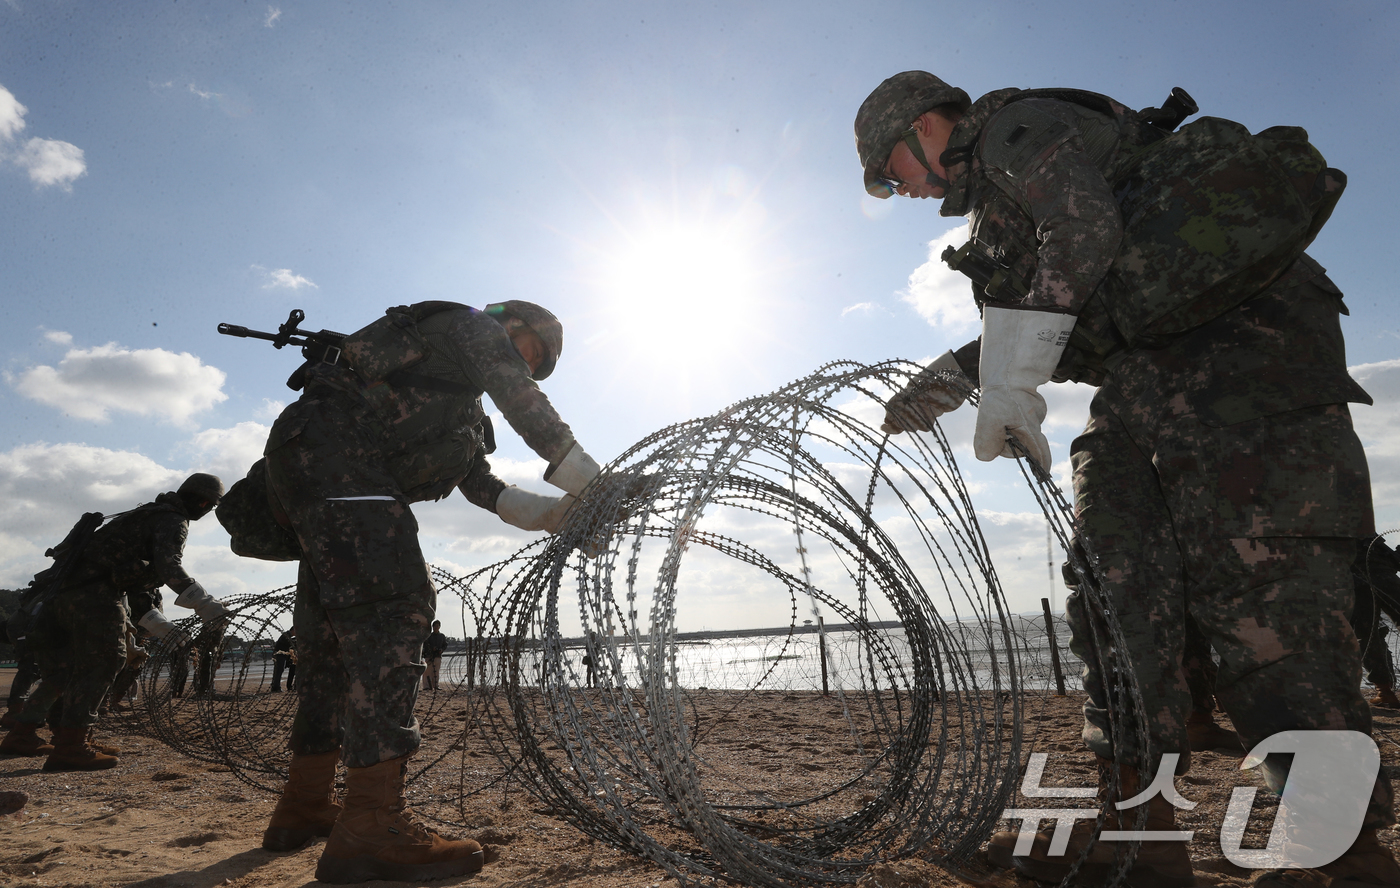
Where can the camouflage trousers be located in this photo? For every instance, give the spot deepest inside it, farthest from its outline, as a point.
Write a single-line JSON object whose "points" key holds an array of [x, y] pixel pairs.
{"points": [[365, 601], [1247, 529], [80, 645]]}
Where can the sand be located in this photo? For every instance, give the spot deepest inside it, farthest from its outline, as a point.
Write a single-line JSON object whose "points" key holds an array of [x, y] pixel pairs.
{"points": [[162, 820]]}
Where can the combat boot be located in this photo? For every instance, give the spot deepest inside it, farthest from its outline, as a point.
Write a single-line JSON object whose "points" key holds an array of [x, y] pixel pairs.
{"points": [[1385, 697], [24, 739], [104, 748], [1159, 864], [1203, 733], [376, 838], [11, 717], [307, 807], [72, 753]]}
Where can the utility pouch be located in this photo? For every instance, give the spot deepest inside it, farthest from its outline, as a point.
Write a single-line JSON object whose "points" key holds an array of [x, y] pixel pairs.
{"points": [[246, 513], [1212, 215]]}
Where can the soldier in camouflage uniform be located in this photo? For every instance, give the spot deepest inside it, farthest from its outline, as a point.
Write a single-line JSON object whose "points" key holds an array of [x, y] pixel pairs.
{"points": [[344, 465], [1218, 475], [79, 637]]}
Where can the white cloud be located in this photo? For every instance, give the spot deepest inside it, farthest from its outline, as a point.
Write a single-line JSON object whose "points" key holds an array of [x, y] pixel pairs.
{"points": [[229, 452], [58, 337], [44, 488], [270, 409], [11, 115], [284, 279], [864, 308], [273, 14], [940, 295], [204, 94], [47, 161], [51, 162], [91, 383], [1379, 429]]}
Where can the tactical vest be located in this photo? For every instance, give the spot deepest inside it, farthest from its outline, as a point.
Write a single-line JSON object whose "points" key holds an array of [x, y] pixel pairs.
{"points": [[425, 404], [119, 551], [1212, 215]]}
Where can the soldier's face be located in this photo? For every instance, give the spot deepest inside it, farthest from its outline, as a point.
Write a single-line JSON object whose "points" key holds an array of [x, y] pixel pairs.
{"points": [[528, 343], [932, 131]]}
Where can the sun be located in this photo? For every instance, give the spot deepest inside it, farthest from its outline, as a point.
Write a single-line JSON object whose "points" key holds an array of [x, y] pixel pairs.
{"points": [[694, 282]]}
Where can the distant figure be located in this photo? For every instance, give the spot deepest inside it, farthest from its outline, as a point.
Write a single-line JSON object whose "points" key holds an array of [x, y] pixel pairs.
{"points": [[433, 649], [283, 659]]}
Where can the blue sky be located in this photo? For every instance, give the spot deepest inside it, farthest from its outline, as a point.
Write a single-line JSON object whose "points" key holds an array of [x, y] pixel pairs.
{"points": [[677, 182]]}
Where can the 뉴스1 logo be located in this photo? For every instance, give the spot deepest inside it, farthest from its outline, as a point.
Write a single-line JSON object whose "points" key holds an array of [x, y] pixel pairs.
{"points": [[1319, 814]]}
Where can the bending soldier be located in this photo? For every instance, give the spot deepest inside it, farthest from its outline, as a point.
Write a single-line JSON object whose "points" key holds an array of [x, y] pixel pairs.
{"points": [[1219, 454], [344, 464], [79, 637]]}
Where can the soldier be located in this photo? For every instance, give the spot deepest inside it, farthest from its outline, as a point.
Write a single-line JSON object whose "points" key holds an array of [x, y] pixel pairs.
{"points": [[433, 649], [1377, 593], [396, 419], [79, 635], [282, 660], [1219, 455], [26, 674]]}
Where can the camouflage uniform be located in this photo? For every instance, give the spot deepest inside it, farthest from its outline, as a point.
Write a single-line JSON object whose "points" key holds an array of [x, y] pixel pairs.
{"points": [[344, 463], [1218, 476], [79, 639]]}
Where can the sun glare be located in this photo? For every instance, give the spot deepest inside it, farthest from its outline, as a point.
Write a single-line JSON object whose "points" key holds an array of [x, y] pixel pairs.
{"points": [[693, 283]]}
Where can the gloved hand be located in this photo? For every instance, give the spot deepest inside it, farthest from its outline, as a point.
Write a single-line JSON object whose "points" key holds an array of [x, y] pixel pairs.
{"points": [[1020, 349], [940, 388], [574, 472], [532, 511], [155, 623], [201, 602]]}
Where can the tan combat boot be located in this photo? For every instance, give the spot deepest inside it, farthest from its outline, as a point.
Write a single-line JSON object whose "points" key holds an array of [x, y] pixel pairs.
{"points": [[307, 807], [23, 739], [375, 838], [1160, 864], [104, 748], [1385, 697], [72, 753]]}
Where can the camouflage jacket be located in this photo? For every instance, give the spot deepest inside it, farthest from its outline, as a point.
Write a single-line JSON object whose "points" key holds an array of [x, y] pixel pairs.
{"points": [[432, 429], [1047, 210], [139, 550]]}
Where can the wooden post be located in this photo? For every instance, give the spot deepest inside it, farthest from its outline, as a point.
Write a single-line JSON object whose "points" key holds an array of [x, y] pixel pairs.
{"points": [[821, 644], [1054, 649]]}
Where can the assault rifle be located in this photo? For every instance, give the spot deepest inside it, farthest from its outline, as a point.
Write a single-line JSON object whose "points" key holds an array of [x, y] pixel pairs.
{"points": [[321, 347]]}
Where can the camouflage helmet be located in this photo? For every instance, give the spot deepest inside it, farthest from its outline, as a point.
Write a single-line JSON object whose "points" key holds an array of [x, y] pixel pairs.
{"points": [[200, 493], [538, 319], [886, 114]]}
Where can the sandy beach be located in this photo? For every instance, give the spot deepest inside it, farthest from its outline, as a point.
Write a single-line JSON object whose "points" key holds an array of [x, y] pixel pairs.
{"points": [[162, 819]]}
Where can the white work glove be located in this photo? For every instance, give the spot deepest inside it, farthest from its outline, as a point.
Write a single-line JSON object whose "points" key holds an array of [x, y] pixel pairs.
{"points": [[573, 474], [201, 602], [155, 623], [532, 511], [1020, 349], [940, 388]]}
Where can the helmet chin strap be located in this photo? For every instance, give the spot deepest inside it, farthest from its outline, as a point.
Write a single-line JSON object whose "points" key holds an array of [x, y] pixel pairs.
{"points": [[911, 138], [938, 181]]}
